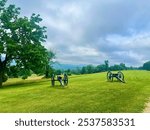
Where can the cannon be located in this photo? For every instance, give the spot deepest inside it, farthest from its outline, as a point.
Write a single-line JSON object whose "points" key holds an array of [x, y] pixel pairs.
{"points": [[62, 79], [119, 76]]}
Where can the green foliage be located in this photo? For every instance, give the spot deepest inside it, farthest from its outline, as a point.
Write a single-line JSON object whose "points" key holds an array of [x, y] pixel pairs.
{"points": [[49, 70], [118, 67], [90, 69], [21, 41], [77, 71], [68, 72], [4, 78], [146, 66], [87, 69], [13, 72], [100, 68], [58, 72]]}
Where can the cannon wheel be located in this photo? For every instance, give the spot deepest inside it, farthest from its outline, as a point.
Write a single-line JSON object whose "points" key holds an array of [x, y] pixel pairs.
{"points": [[53, 80], [121, 76], [65, 80], [109, 76]]}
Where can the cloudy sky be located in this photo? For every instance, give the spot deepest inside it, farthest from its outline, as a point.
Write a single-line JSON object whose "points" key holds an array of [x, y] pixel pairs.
{"points": [[91, 31]]}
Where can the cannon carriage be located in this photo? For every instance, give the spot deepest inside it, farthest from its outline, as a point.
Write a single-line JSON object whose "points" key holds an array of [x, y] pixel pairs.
{"points": [[119, 76], [62, 79]]}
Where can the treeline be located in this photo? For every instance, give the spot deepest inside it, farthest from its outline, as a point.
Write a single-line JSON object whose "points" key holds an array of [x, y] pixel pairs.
{"points": [[102, 68], [14, 72], [95, 69]]}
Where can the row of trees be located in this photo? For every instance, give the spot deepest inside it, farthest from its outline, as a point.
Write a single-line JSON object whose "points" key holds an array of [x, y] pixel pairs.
{"points": [[95, 69], [102, 68], [99, 68]]}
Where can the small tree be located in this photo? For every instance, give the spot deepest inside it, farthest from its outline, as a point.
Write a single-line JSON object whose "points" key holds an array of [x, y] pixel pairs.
{"points": [[21, 41]]}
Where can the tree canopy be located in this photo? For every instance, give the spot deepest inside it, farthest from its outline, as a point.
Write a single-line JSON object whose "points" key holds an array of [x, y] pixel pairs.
{"points": [[21, 41], [146, 65]]}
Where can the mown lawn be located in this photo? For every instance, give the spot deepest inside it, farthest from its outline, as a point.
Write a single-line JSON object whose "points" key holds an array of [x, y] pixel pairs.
{"points": [[85, 93]]}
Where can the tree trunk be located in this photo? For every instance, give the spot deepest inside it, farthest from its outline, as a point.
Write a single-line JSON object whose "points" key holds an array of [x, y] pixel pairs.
{"points": [[47, 71], [1, 79], [2, 70]]}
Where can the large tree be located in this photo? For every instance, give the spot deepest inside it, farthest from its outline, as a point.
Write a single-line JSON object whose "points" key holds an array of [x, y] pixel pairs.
{"points": [[21, 41]]}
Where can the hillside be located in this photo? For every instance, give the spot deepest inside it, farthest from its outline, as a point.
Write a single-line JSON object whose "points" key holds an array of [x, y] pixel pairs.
{"points": [[85, 93]]}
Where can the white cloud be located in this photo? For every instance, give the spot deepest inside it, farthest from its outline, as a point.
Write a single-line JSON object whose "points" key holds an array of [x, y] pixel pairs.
{"points": [[91, 31], [85, 51], [132, 49]]}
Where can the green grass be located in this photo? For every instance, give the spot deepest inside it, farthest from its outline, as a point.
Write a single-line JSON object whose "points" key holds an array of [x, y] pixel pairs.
{"points": [[85, 93]]}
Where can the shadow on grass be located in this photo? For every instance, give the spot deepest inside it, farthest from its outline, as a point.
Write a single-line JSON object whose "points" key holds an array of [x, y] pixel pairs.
{"points": [[59, 87], [115, 81], [24, 83]]}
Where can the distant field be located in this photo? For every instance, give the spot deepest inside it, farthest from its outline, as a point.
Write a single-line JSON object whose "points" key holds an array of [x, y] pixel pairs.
{"points": [[85, 93]]}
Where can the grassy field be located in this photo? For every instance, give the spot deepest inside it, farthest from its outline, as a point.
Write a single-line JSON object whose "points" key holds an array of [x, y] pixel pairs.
{"points": [[85, 93]]}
